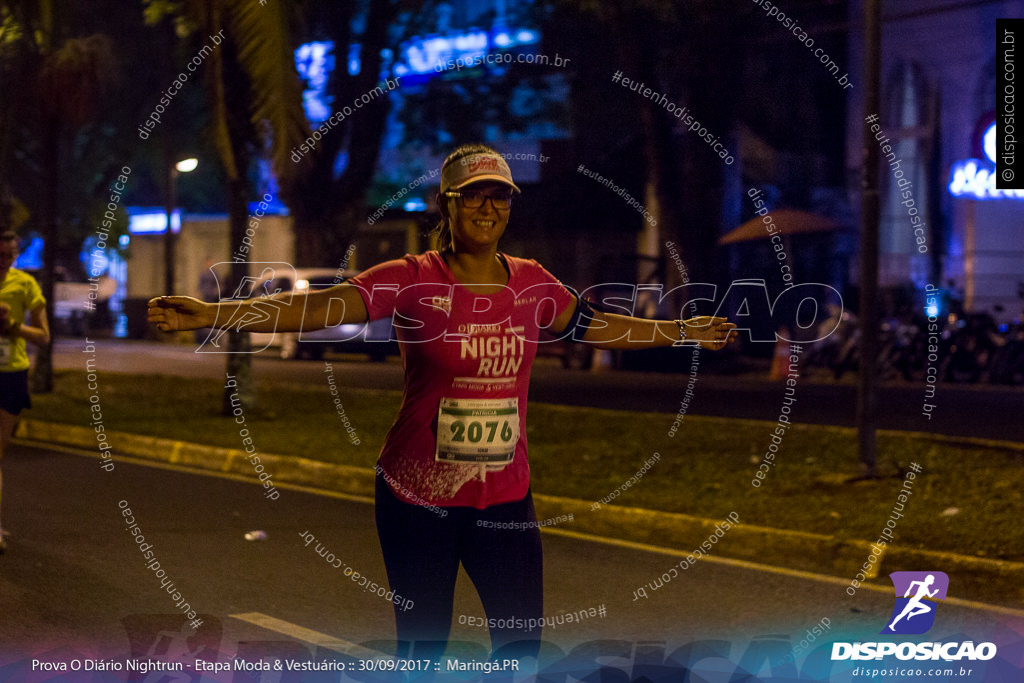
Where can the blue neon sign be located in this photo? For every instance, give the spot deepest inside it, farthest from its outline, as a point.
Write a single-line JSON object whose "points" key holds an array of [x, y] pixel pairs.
{"points": [[976, 178]]}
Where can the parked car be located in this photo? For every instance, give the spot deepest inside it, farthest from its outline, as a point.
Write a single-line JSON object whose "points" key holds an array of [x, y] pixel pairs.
{"points": [[375, 339], [75, 303]]}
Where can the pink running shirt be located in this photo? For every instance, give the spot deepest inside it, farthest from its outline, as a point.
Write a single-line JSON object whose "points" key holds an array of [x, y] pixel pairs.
{"points": [[456, 344]]}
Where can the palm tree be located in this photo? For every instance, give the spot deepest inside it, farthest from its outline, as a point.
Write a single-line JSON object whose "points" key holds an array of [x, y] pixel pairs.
{"points": [[682, 51], [256, 102], [66, 83], [327, 199]]}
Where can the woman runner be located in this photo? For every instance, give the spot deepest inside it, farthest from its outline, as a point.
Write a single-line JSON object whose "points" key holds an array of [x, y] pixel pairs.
{"points": [[453, 480]]}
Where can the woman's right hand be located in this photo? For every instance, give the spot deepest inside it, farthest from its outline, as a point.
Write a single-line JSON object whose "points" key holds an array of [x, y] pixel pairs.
{"points": [[171, 313]]}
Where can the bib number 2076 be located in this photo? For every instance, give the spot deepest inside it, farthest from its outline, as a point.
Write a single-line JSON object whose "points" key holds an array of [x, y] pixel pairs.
{"points": [[477, 430]]}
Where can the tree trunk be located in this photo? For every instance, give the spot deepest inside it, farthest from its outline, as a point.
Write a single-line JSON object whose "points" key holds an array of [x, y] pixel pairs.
{"points": [[659, 158], [42, 378], [239, 381], [240, 135], [321, 239], [659, 149], [328, 210]]}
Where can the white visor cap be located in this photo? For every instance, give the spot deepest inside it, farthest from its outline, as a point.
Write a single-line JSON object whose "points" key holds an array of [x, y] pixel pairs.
{"points": [[476, 168]]}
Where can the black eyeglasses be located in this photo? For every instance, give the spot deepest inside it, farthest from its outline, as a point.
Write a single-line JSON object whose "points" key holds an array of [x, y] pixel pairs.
{"points": [[474, 200]]}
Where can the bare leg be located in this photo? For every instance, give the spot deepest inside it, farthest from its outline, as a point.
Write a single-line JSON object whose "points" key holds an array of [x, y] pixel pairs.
{"points": [[920, 609], [907, 608]]}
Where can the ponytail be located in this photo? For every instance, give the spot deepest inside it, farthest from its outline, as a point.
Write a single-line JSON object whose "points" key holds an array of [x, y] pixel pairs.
{"points": [[443, 233]]}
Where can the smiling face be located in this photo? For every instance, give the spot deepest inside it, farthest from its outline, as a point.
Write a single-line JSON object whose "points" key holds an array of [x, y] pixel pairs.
{"points": [[479, 228]]}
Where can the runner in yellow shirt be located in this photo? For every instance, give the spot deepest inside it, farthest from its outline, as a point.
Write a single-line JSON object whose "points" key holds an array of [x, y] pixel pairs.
{"points": [[19, 296]]}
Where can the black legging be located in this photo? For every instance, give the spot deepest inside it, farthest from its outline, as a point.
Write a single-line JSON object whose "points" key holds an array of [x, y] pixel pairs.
{"points": [[422, 551]]}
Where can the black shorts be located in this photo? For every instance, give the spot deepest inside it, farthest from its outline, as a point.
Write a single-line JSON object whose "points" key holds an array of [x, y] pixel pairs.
{"points": [[14, 391]]}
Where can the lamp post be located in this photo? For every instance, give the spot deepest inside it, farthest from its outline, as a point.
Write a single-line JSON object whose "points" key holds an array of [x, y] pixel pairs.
{"points": [[867, 381], [183, 166]]}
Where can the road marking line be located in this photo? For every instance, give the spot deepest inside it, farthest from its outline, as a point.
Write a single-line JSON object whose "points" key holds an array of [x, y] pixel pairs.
{"points": [[307, 635], [744, 564], [644, 547]]}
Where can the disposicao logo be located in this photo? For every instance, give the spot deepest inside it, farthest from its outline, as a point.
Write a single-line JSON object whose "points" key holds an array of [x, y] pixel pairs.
{"points": [[914, 612]]}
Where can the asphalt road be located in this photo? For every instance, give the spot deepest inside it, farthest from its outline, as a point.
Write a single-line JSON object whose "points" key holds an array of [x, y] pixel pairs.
{"points": [[959, 410], [74, 583]]}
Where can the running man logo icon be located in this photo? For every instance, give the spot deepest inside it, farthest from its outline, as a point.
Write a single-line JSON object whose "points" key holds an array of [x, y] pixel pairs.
{"points": [[266, 284], [912, 615]]}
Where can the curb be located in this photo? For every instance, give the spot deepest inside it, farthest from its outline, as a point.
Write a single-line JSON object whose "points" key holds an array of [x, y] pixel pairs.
{"points": [[985, 580]]}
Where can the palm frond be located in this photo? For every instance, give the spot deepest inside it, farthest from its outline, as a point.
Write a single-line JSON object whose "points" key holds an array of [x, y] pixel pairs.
{"points": [[74, 77], [206, 17], [261, 38], [219, 116]]}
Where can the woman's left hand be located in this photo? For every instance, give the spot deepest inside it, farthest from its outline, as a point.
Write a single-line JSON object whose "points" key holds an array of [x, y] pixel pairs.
{"points": [[712, 333]]}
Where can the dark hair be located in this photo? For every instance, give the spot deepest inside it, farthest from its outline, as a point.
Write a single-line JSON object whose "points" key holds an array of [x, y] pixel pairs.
{"points": [[443, 229], [9, 236]]}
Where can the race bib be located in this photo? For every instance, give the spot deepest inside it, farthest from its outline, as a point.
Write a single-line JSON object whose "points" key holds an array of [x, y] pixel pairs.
{"points": [[5, 351], [482, 431]]}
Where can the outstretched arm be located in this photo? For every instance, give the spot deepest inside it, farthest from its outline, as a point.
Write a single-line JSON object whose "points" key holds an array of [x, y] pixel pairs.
{"points": [[285, 312], [613, 331]]}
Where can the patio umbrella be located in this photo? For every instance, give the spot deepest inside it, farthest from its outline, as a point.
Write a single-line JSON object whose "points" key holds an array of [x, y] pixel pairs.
{"points": [[786, 221]]}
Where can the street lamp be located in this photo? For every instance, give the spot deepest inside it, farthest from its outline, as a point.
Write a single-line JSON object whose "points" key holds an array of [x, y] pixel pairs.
{"points": [[183, 166], [187, 165]]}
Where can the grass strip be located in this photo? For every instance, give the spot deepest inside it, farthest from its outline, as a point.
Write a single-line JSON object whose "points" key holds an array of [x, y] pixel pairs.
{"points": [[967, 499]]}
